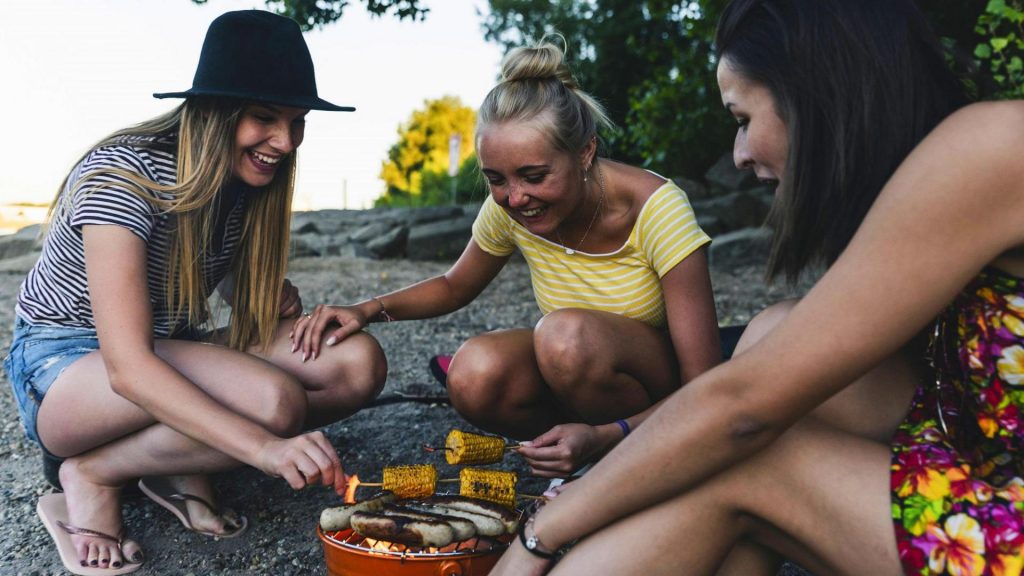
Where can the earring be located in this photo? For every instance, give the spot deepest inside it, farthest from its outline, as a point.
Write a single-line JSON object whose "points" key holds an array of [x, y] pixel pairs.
{"points": [[585, 171]]}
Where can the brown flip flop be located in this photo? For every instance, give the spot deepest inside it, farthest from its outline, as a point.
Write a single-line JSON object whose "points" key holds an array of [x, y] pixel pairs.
{"points": [[160, 491], [53, 510]]}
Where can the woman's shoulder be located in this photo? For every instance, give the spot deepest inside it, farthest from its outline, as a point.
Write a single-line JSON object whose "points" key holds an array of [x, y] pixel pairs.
{"points": [[633, 187], [151, 156], [986, 124]]}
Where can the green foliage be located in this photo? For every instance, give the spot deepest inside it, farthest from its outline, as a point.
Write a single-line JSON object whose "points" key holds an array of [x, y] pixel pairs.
{"points": [[648, 62], [1001, 26], [470, 187], [416, 171], [312, 14]]}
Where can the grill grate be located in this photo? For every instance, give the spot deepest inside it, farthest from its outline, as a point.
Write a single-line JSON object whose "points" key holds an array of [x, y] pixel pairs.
{"points": [[354, 541]]}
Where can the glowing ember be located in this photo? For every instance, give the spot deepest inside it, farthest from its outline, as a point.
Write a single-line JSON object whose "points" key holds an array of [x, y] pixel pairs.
{"points": [[350, 491]]}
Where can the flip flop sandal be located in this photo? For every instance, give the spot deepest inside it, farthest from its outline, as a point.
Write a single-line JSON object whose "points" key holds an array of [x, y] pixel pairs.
{"points": [[159, 491], [53, 511], [439, 368]]}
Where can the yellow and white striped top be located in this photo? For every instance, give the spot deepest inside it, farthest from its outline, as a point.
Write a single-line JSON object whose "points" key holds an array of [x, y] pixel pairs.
{"points": [[626, 281]]}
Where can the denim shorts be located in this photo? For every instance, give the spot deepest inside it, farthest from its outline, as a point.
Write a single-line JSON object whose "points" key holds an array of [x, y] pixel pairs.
{"points": [[39, 354]]}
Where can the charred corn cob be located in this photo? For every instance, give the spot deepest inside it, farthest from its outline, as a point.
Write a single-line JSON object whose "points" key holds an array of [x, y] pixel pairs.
{"points": [[468, 448], [411, 481], [493, 485]]}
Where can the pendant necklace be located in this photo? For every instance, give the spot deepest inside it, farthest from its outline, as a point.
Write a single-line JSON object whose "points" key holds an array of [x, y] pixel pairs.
{"points": [[600, 203]]}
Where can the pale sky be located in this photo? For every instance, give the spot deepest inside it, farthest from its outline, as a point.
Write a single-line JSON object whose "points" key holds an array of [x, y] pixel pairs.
{"points": [[73, 71]]}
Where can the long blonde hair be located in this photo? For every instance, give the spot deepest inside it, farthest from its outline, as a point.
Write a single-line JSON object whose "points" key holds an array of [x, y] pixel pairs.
{"points": [[205, 129]]}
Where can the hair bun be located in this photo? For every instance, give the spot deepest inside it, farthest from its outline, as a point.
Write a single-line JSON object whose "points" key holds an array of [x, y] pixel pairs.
{"points": [[545, 61]]}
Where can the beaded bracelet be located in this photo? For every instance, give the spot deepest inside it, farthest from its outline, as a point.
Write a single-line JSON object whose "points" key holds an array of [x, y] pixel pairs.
{"points": [[383, 314]]}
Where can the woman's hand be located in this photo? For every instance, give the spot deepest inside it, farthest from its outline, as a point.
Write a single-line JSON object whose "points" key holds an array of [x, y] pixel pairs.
{"points": [[565, 448], [302, 461], [516, 561], [309, 329], [291, 303]]}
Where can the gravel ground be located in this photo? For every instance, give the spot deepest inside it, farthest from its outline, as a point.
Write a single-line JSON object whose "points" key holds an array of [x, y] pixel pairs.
{"points": [[281, 539]]}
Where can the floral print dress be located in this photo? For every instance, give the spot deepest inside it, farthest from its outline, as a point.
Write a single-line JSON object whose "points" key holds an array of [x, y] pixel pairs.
{"points": [[957, 471]]}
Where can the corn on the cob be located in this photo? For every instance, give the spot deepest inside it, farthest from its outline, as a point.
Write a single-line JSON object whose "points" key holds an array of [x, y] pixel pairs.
{"points": [[411, 481], [494, 485], [468, 448]]}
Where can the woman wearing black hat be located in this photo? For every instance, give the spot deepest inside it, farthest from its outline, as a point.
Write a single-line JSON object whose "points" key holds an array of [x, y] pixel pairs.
{"points": [[108, 361]]}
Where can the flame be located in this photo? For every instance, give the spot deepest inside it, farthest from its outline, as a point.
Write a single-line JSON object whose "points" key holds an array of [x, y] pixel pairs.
{"points": [[350, 491]]}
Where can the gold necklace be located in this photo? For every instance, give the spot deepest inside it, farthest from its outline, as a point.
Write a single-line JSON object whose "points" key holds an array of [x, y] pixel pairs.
{"points": [[600, 203]]}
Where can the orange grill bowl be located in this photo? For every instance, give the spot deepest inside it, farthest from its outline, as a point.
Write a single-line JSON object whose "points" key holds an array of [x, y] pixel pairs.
{"points": [[345, 561]]}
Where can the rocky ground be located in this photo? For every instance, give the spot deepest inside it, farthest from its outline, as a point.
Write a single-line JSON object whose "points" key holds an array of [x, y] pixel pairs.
{"points": [[281, 539]]}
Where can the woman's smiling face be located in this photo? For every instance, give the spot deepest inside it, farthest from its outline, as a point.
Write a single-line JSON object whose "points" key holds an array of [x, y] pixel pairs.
{"points": [[265, 135], [528, 177], [762, 142]]}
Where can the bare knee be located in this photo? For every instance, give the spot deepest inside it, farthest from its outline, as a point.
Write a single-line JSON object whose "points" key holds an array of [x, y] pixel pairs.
{"points": [[474, 379], [282, 402], [763, 323], [565, 358], [352, 373]]}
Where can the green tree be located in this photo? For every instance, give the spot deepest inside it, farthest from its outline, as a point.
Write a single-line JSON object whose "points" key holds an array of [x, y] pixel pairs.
{"points": [[312, 14], [1001, 51], [649, 62], [418, 163]]}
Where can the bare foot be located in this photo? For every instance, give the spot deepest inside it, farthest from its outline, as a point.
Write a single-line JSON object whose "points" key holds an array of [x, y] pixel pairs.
{"points": [[202, 518], [95, 506]]}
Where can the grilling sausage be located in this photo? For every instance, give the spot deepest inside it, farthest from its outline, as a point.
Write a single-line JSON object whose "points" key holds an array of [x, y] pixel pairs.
{"points": [[485, 525], [338, 518], [508, 518], [462, 529], [402, 529]]}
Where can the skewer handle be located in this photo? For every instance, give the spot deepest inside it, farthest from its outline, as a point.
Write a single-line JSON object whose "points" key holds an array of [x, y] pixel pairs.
{"points": [[381, 484]]}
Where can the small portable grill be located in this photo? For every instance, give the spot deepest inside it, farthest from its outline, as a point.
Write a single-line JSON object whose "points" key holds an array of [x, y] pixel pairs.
{"points": [[350, 554]]}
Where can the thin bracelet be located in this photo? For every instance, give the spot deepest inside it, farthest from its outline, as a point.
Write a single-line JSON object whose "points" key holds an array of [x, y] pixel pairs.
{"points": [[625, 427], [383, 314], [532, 543]]}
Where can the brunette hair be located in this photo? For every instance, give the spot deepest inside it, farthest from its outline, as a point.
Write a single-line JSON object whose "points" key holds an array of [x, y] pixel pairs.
{"points": [[538, 87], [202, 131], [858, 84]]}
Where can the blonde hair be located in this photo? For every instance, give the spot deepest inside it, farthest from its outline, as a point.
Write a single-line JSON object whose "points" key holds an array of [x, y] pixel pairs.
{"points": [[538, 87], [205, 130]]}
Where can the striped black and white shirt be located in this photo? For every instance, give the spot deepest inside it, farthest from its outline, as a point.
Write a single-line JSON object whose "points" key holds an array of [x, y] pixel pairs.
{"points": [[55, 293]]}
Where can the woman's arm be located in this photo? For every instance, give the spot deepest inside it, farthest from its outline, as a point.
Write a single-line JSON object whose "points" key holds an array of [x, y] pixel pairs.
{"points": [[436, 296], [115, 261], [955, 205]]}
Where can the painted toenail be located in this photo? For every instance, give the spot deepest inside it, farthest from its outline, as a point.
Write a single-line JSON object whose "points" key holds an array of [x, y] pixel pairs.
{"points": [[93, 563], [137, 557], [116, 564], [84, 563]]}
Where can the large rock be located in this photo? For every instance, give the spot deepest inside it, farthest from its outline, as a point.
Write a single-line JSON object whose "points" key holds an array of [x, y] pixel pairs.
{"points": [[20, 243], [390, 245], [433, 214], [372, 230], [724, 174], [746, 247], [443, 240], [735, 210]]}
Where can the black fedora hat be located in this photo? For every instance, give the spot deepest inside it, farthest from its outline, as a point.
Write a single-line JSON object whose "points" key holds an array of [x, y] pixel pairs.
{"points": [[256, 55]]}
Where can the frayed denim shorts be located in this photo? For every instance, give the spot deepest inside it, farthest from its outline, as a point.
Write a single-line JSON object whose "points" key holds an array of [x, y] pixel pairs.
{"points": [[39, 354]]}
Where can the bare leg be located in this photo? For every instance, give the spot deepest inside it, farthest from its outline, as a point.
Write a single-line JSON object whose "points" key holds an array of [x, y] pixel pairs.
{"points": [[604, 366], [871, 408], [575, 366], [343, 379], [494, 382], [817, 495], [113, 440]]}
